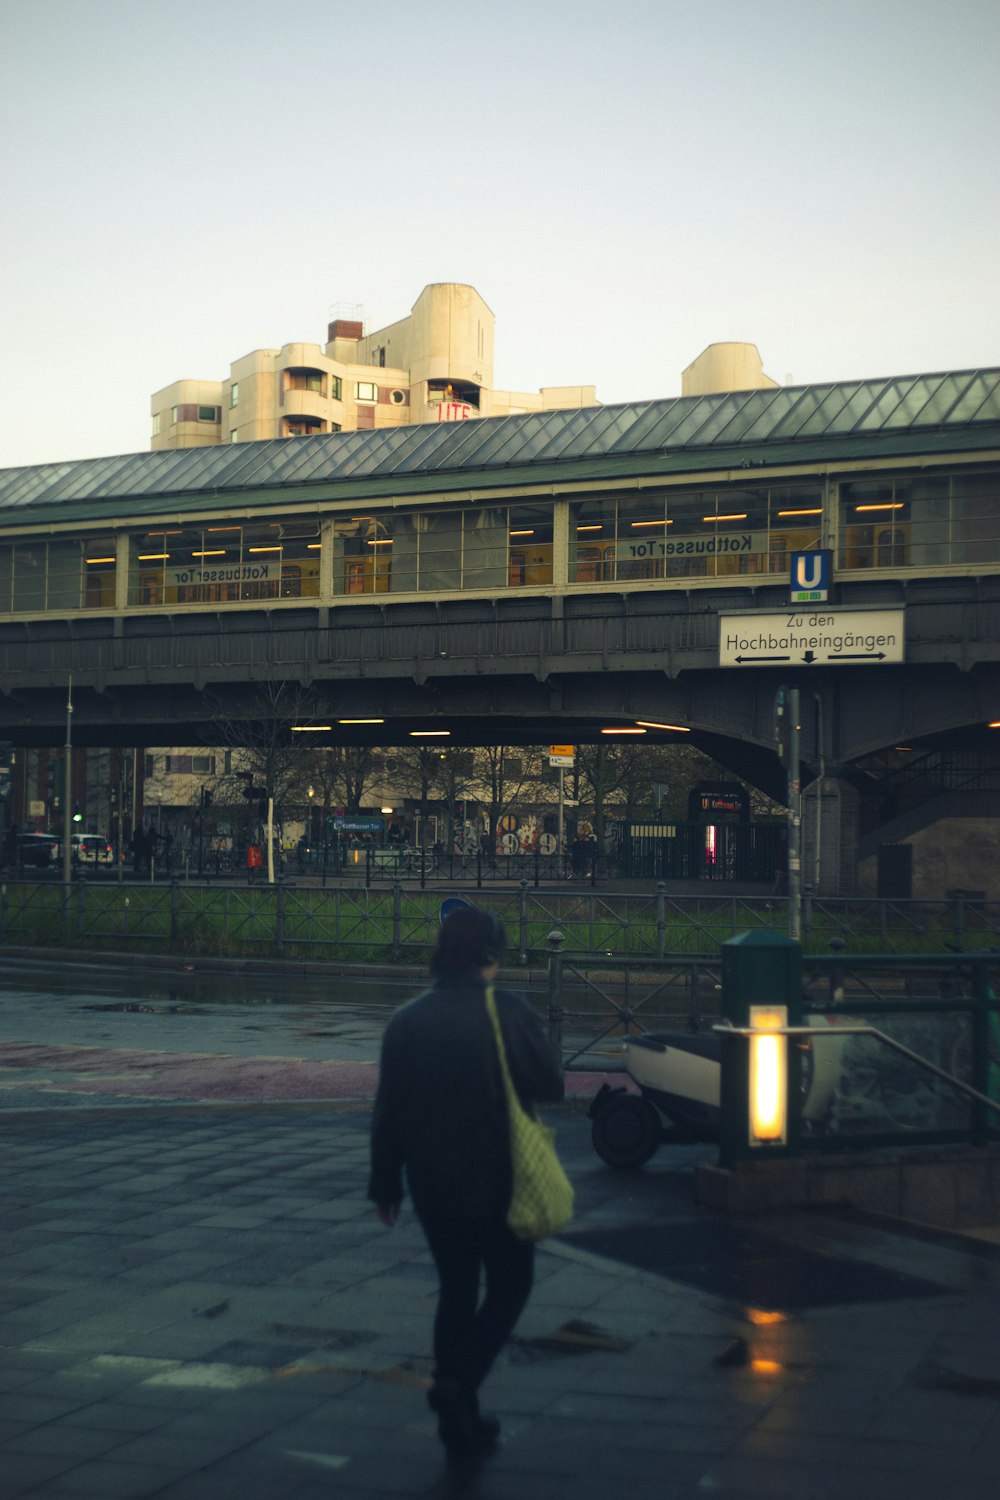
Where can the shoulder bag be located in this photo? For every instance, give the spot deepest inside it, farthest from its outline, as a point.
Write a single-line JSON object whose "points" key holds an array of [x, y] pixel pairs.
{"points": [[542, 1198]]}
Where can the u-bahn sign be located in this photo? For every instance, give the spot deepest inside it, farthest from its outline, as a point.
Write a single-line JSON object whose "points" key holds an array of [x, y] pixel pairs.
{"points": [[812, 637]]}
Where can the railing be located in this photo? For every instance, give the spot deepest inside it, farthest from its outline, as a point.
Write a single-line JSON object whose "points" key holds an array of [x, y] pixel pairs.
{"points": [[938, 1021], [396, 920]]}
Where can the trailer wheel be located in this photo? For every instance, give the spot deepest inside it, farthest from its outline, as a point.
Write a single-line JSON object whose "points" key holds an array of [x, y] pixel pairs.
{"points": [[626, 1131]]}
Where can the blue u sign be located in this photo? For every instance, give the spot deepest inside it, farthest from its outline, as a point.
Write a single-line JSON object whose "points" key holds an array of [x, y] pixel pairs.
{"points": [[811, 577]]}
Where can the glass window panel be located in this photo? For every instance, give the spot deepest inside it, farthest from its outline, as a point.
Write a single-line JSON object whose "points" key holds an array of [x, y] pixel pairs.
{"points": [[644, 534], [592, 540], [976, 518], [99, 563], [530, 532], [65, 569], [29, 576], [874, 523], [440, 549], [485, 541], [796, 523]]}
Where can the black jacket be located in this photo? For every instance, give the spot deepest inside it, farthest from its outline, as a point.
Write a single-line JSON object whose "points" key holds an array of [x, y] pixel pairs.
{"points": [[440, 1111]]}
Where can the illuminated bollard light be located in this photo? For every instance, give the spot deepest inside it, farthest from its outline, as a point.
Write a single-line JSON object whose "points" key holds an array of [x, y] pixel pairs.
{"points": [[768, 1075]]}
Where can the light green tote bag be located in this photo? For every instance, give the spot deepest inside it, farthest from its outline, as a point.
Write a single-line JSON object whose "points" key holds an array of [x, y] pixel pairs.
{"points": [[542, 1200]]}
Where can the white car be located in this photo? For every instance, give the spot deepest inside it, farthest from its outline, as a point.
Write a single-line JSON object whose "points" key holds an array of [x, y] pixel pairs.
{"points": [[91, 849]]}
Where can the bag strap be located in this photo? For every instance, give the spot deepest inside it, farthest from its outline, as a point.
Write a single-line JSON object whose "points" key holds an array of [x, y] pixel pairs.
{"points": [[491, 1009]]}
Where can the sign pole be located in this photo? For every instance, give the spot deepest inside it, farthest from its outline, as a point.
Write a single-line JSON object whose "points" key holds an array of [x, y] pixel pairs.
{"points": [[794, 820], [68, 791], [562, 788]]}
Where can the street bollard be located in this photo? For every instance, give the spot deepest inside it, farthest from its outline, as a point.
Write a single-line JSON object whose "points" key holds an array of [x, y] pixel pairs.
{"points": [[761, 971]]}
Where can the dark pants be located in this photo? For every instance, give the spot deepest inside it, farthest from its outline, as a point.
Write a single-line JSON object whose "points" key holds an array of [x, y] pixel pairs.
{"points": [[468, 1335]]}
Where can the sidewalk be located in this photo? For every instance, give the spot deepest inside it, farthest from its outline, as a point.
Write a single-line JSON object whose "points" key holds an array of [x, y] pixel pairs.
{"points": [[198, 1304]]}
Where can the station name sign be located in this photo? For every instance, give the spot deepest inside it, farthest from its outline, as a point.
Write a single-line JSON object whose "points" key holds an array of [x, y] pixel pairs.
{"points": [[739, 543], [820, 637], [238, 572]]}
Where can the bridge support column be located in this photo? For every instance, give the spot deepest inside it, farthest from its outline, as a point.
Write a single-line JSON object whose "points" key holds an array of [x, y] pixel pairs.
{"points": [[830, 833]]}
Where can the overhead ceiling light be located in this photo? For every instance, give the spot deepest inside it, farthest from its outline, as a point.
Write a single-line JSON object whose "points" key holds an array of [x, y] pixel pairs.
{"points": [[426, 734], [623, 730], [817, 512], [650, 724], [894, 505], [360, 721], [153, 556], [521, 533], [651, 523], [598, 527], [994, 724], [92, 560], [215, 552], [712, 520], [264, 549], [310, 728]]}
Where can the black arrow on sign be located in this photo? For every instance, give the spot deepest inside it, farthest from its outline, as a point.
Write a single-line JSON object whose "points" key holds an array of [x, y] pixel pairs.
{"points": [[857, 656], [762, 658], [809, 657]]}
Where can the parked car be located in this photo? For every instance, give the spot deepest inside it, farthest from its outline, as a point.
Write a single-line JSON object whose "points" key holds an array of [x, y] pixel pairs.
{"points": [[39, 850], [91, 849]]}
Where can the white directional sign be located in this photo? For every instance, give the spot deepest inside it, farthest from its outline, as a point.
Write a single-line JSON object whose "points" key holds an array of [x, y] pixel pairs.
{"points": [[812, 637]]}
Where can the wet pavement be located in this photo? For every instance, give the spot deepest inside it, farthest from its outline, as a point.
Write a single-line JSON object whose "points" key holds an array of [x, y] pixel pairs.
{"points": [[197, 1302]]}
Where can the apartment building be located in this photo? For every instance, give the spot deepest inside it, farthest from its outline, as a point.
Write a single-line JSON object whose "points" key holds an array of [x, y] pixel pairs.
{"points": [[436, 365]]}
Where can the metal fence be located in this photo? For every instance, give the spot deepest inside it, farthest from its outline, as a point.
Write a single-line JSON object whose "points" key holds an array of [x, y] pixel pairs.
{"points": [[396, 921], [892, 1036]]}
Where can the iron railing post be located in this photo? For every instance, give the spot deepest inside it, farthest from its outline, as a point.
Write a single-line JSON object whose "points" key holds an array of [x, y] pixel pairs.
{"points": [[661, 919], [175, 911], [522, 935], [279, 916], [397, 921], [980, 1052], [554, 942], [81, 903]]}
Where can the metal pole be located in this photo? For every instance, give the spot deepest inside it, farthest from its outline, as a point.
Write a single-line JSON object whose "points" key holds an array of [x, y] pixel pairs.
{"points": [[559, 845], [270, 840], [68, 793], [794, 820]]}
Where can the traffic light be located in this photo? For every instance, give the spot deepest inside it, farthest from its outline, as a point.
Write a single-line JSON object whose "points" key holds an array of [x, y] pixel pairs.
{"points": [[6, 762], [55, 783], [259, 795], [77, 814]]}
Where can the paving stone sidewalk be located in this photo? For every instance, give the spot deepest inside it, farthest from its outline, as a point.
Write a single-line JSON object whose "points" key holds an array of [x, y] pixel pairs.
{"points": [[198, 1303]]}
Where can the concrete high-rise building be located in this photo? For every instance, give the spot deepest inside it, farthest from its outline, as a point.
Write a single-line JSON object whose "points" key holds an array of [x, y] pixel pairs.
{"points": [[434, 366]]}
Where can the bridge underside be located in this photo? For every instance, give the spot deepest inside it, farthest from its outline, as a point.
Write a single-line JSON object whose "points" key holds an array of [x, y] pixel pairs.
{"points": [[535, 670]]}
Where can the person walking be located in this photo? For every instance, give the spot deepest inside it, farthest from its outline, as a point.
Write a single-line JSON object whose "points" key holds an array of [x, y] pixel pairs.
{"points": [[441, 1118]]}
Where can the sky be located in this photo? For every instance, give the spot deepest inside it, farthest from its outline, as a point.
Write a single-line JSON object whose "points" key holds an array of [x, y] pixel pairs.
{"points": [[183, 181]]}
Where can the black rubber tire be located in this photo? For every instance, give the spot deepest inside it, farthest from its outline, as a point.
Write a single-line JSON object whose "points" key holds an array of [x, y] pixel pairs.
{"points": [[627, 1131]]}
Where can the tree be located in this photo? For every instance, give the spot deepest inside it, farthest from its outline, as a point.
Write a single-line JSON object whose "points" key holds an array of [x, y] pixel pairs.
{"points": [[501, 778]]}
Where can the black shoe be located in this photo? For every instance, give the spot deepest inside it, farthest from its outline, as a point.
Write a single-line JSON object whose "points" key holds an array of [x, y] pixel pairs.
{"points": [[457, 1420], [460, 1426]]}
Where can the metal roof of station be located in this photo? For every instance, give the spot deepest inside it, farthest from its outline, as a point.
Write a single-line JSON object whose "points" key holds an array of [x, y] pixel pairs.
{"points": [[781, 424]]}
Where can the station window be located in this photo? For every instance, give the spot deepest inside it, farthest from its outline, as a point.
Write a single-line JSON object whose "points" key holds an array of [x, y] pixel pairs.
{"points": [[225, 564], [365, 390], [234, 393]]}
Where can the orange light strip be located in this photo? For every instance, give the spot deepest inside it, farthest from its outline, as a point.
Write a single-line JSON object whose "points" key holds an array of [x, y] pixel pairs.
{"points": [[894, 505], [817, 512], [713, 520], [92, 560], [215, 552], [651, 523], [623, 731]]}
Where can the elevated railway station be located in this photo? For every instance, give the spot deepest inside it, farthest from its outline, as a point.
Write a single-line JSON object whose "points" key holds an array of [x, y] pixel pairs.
{"points": [[543, 578]]}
